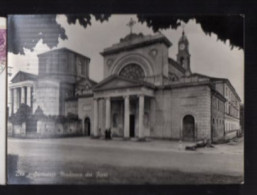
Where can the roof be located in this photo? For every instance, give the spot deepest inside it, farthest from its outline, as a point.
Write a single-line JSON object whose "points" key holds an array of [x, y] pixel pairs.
{"points": [[23, 76], [186, 84], [134, 40], [199, 75], [61, 49], [229, 84], [176, 65], [216, 79], [218, 94]]}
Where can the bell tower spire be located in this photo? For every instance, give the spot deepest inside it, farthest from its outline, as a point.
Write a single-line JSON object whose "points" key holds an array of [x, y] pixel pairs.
{"points": [[183, 56]]}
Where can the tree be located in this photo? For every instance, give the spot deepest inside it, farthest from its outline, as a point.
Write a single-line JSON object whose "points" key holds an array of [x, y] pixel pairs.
{"points": [[22, 114], [225, 27], [25, 32]]}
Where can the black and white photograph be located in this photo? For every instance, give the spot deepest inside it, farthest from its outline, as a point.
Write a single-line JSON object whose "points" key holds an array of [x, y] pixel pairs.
{"points": [[125, 99], [3, 100]]}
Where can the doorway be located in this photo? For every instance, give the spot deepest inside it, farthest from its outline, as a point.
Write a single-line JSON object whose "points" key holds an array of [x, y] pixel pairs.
{"points": [[188, 128], [132, 125], [87, 126]]}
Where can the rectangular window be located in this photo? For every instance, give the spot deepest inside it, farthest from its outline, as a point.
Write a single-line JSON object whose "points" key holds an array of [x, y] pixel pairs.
{"points": [[71, 63], [79, 68], [83, 69], [63, 63]]}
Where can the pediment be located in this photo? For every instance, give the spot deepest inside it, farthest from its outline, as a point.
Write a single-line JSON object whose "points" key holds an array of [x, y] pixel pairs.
{"points": [[84, 82], [115, 82], [23, 76]]}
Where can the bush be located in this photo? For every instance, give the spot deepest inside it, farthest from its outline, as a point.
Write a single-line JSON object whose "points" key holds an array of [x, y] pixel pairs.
{"points": [[22, 114]]}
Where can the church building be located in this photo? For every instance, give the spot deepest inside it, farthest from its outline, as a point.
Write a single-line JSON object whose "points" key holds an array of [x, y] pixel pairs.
{"points": [[144, 92]]}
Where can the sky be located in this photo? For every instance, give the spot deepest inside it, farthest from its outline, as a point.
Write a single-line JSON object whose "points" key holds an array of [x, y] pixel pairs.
{"points": [[209, 55]]}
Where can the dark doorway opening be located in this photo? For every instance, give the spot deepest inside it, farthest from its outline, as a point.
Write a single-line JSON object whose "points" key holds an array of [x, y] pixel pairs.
{"points": [[132, 125], [87, 126], [188, 128]]}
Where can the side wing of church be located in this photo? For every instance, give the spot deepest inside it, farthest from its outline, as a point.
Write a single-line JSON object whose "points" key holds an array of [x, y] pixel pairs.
{"points": [[144, 93]]}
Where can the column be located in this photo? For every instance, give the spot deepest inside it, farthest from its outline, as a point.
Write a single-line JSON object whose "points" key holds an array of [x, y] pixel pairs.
{"points": [[126, 116], [107, 113], [95, 117], [15, 100], [23, 95], [12, 102], [141, 116], [29, 96], [19, 97]]}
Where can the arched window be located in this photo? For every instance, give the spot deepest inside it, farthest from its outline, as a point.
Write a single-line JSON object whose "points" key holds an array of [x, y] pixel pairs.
{"points": [[182, 59], [132, 71]]}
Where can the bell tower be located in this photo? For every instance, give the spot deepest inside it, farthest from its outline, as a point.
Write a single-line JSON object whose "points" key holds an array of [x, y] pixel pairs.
{"points": [[183, 56]]}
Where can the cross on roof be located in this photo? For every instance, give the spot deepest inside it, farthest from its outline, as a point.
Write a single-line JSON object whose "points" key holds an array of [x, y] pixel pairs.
{"points": [[183, 28], [131, 24]]}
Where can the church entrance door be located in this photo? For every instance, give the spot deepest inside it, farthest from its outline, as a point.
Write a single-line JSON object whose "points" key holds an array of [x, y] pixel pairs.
{"points": [[87, 126], [132, 125], [188, 128]]}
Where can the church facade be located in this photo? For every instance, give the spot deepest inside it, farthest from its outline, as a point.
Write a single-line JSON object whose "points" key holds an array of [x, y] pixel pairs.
{"points": [[144, 93]]}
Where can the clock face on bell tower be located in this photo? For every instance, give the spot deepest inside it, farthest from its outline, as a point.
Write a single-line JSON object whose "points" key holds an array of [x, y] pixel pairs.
{"points": [[183, 56]]}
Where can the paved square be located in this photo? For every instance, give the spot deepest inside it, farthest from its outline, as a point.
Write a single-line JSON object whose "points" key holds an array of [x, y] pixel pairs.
{"points": [[77, 155]]}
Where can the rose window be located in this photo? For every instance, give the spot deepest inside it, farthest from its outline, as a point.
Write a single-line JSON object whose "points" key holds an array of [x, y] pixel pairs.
{"points": [[132, 71]]}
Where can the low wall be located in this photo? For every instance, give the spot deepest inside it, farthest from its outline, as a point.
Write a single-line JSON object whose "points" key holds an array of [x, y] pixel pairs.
{"points": [[18, 129], [231, 134], [51, 127], [46, 127], [10, 129]]}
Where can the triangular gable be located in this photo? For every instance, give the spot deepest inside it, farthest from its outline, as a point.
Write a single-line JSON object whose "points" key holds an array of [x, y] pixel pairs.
{"points": [[87, 82], [23, 76], [63, 49], [114, 82]]}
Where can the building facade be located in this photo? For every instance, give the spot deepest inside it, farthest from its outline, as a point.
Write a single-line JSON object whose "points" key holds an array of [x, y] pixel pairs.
{"points": [[144, 93]]}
